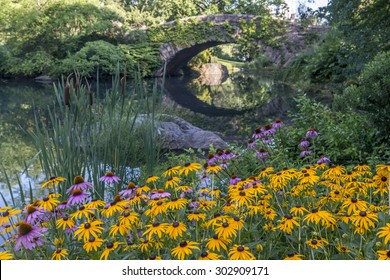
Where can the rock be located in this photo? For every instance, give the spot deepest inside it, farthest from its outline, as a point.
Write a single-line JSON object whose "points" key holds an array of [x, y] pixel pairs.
{"points": [[213, 74], [177, 134]]}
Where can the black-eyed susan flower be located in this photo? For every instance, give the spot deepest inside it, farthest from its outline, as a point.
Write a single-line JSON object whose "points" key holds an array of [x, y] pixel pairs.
{"points": [[385, 232], [155, 229], [226, 230], [209, 256], [298, 210], [293, 256], [217, 243], [354, 204], [316, 243], [176, 203], [364, 219], [287, 223], [53, 181], [383, 168], [269, 227], [334, 172], [65, 222], [82, 211], [121, 228], [172, 182], [240, 252], [269, 213], [242, 197], [236, 222], [184, 249], [87, 229], [175, 230], [159, 208], [59, 254], [381, 183], [49, 202], [113, 207], [152, 179], [110, 246], [146, 244], [92, 243], [154, 257], [206, 205], [95, 204], [320, 217], [5, 255], [129, 218], [213, 168], [383, 255], [142, 190], [196, 216], [173, 170], [342, 248], [265, 172], [189, 167]]}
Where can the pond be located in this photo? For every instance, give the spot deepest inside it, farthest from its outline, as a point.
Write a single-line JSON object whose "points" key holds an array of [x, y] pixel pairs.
{"points": [[232, 108]]}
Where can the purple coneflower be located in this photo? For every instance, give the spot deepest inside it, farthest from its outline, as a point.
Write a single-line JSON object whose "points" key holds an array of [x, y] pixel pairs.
{"points": [[224, 164], [78, 197], [160, 193], [258, 133], [305, 153], [266, 140], [33, 214], [311, 133], [79, 184], [227, 155], [211, 159], [269, 130], [278, 123], [63, 205], [251, 144], [304, 144], [109, 178], [234, 180], [186, 192], [130, 191], [193, 204], [29, 236], [261, 154], [323, 159]]}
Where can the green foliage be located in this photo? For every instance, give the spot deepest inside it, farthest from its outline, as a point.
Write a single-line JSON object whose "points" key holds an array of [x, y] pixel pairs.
{"points": [[371, 95]]}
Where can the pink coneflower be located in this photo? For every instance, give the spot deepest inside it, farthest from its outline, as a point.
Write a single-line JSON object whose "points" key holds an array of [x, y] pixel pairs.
{"points": [[109, 178], [304, 144], [251, 144], [224, 164], [211, 159], [258, 133], [29, 236], [186, 192], [266, 140], [160, 193], [323, 159], [311, 133], [193, 204], [261, 154], [63, 205], [269, 130], [227, 155], [278, 123], [305, 153], [79, 184], [130, 192], [78, 197], [234, 180], [33, 214]]}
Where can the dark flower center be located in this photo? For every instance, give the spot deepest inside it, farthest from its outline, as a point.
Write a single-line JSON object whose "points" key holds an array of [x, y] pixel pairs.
{"points": [[215, 237], [159, 203], [31, 209], [314, 242], [77, 192], [290, 254], [87, 225], [336, 192], [110, 245], [204, 254], [175, 224], [152, 257], [156, 224], [354, 200], [91, 239], [241, 193], [52, 178], [384, 179], [78, 180], [363, 213], [388, 254], [45, 199], [130, 185], [109, 174], [81, 208], [24, 228], [225, 225], [58, 251], [240, 248], [183, 244], [288, 217], [187, 164], [237, 219], [315, 210]]}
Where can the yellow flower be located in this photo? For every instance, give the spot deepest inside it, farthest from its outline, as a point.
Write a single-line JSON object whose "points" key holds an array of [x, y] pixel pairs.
{"points": [[113, 207], [175, 230], [184, 249], [82, 211], [92, 244], [146, 245], [89, 228], [110, 246], [65, 222], [383, 168], [129, 218], [172, 182], [342, 248], [364, 219], [59, 253], [242, 197], [122, 228], [6, 213], [53, 181], [292, 256], [188, 167], [217, 243], [196, 216], [381, 183], [316, 243], [151, 179], [171, 171], [240, 252], [383, 254], [354, 205], [265, 172], [5, 255], [155, 229], [157, 209], [298, 210], [213, 168], [385, 232], [209, 256], [319, 216], [225, 230], [95, 203], [287, 224], [49, 202], [236, 223], [333, 173]]}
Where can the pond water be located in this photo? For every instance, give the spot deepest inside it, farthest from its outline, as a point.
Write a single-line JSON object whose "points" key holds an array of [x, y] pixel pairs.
{"points": [[233, 109]]}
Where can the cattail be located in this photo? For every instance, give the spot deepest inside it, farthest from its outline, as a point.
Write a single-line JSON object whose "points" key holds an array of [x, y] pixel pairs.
{"points": [[90, 93], [67, 91], [77, 83]]}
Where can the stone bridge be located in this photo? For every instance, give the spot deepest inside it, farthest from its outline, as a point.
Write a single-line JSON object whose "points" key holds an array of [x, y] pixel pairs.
{"points": [[181, 40]]}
